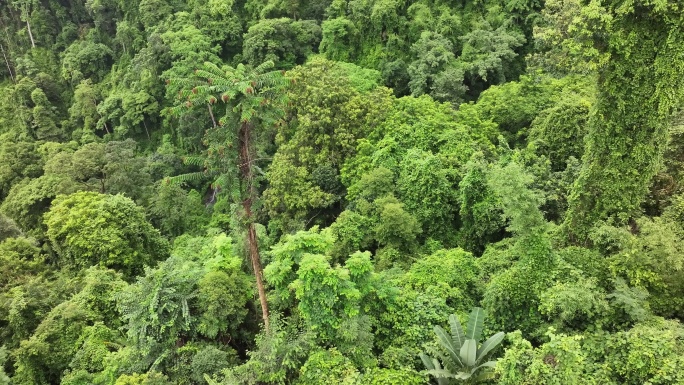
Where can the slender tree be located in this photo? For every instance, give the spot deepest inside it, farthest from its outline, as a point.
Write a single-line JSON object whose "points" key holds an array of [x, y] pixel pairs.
{"points": [[26, 8], [9, 68], [249, 102]]}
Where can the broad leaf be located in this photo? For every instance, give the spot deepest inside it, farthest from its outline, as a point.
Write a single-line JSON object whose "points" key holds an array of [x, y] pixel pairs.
{"points": [[483, 375], [463, 375], [457, 333], [469, 352], [441, 373], [427, 361], [445, 341], [488, 345], [488, 364], [475, 324]]}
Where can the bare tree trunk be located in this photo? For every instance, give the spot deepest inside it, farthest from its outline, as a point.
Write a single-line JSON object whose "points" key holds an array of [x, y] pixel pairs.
{"points": [[256, 265], [146, 130], [28, 25], [247, 177], [211, 113], [9, 68]]}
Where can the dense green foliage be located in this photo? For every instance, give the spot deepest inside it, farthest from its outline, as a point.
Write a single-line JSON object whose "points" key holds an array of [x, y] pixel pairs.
{"points": [[337, 192]]}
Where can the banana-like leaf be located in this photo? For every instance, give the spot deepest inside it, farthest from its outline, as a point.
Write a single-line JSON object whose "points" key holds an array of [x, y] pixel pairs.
{"points": [[483, 375], [469, 352], [488, 364], [488, 345], [463, 375], [457, 333], [441, 373], [475, 324], [448, 361], [427, 361], [445, 340], [438, 374]]}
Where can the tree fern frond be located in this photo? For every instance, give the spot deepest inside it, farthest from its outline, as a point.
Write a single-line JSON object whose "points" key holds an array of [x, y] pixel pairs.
{"points": [[263, 67], [189, 177], [193, 160]]}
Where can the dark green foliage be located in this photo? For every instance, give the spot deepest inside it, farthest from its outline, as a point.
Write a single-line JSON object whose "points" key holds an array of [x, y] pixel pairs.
{"points": [[222, 298], [63, 337], [23, 307], [19, 160], [628, 129], [283, 41], [560, 130], [41, 359], [434, 68], [512, 296], [278, 355], [325, 367], [20, 259], [4, 379], [85, 59], [425, 186], [28, 200], [480, 211], [175, 211], [210, 361], [199, 293], [515, 105], [8, 229], [88, 229], [528, 159], [650, 352]]}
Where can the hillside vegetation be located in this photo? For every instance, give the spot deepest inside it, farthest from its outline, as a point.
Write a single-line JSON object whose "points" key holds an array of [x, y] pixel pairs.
{"points": [[359, 192]]}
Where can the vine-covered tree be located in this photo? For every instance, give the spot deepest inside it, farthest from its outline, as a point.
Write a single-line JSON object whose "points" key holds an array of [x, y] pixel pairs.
{"points": [[629, 127]]}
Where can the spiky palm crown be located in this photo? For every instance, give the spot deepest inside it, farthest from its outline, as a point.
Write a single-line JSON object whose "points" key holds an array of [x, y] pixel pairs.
{"points": [[244, 94]]}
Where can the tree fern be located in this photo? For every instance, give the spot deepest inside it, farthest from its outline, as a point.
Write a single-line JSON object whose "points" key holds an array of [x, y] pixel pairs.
{"points": [[248, 102]]}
